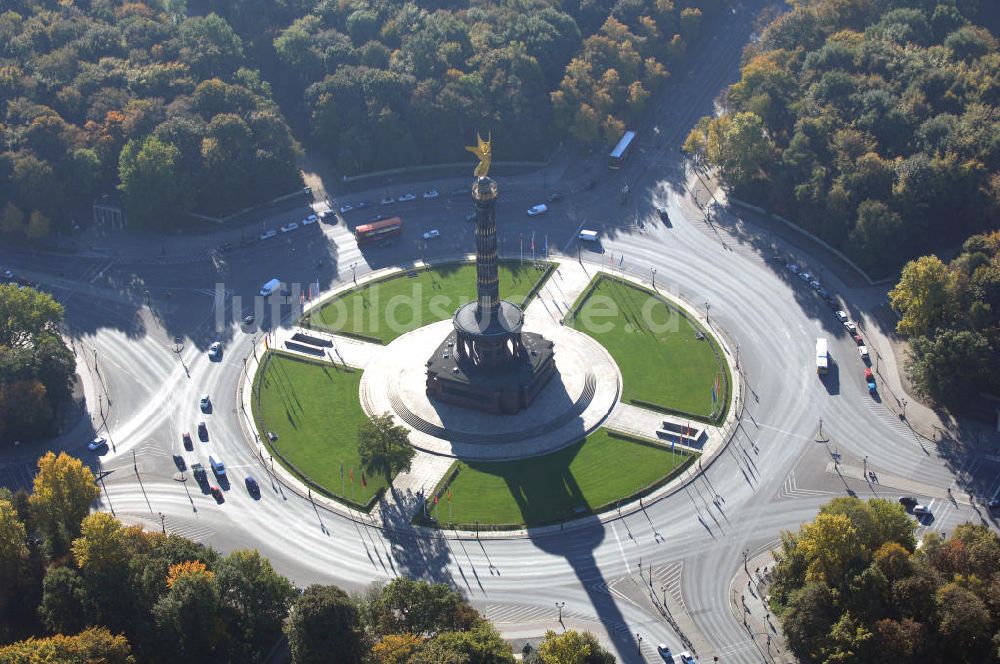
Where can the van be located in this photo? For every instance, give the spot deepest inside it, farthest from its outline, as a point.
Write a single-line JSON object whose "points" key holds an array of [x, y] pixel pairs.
{"points": [[270, 287], [218, 467], [587, 236], [536, 210]]}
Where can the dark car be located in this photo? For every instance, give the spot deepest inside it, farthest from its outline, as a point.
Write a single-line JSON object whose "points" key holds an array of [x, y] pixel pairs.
{"points": [[188, 444], [252, 486], [199, 473], [662, 212], [202, 431], [907, 501], [993, 503], [179, 462], [217, 494], [556, 196]]}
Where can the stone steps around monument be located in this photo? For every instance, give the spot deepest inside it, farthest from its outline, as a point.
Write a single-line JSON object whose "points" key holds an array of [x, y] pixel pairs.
{"points": [[437, 431]]}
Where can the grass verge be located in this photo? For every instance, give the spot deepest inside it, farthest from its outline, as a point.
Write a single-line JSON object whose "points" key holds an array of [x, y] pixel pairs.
{"points": [[314, 409], [602, 471]]}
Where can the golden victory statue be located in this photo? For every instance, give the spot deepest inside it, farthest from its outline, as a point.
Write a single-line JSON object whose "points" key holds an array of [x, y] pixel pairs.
{"points": [[484, 151]]}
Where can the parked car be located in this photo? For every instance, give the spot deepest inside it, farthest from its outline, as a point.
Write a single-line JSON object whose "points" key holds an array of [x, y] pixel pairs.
{"points": [[430, 194], [97, 443], [805, 276], [431, 234], [665, 653], [816, 286], [205, 403], [217, 494], [993, 503], [252, 485], [870, 380], [662, 213], [186, 439], [215, 350], [7, 274], [268, 234], [387, 200], [842, 316], [311, 219], [290, 226], [361, 205], [536, 210], [202, 431], [199, 473], [851, 326], [863, 350], [858, 340], [793, 268], [179, 462], [823, 293], [344, 209], [407, 197]]}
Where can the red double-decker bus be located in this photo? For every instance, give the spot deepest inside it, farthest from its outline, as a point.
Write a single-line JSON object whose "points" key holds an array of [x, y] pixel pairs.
{"points": [[379, 230]]}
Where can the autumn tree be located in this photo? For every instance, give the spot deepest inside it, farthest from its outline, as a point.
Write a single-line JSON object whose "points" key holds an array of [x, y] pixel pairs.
{"points": [[94, 646], [63, 491]]}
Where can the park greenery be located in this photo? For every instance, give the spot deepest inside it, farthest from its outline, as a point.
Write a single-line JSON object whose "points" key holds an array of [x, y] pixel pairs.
{"points": [[387, 308], [139, 96], [36, 367], [314, 409], [171, 105], [91, 589], [871, 124], [384, 447], [951, 313], [595, 473], [663, 362], [853, 585], [396, 83]]}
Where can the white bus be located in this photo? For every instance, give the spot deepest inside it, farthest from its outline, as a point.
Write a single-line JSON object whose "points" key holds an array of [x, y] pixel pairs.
{"points": [[822, 357]]}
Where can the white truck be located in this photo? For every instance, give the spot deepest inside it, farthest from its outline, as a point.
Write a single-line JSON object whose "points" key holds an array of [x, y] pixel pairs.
{"points": [[270, 287], [822, 356], [587, 236]]}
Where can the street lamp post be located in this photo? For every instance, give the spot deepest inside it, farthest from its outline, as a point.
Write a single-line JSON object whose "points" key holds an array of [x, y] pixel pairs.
{"points": [[746, 555], [866, 465], [653, 270], [560, 605], [707, 309], [163, 523], [354, 274], [664, 589]]}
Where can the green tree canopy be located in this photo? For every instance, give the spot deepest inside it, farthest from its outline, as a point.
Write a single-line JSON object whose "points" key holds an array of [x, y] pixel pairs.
{"points": [[384, 447]]}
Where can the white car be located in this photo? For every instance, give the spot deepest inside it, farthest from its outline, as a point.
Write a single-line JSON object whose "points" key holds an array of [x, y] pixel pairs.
{"points": [[921, 510], [7, 274], [431, 194], [851, 326], [806, 277], [431, 234], [268, 234], [346, 208], [97, 443], [407, 197], [793, 268], [815, 285], [863, 350], [686, 658], [214, 350], [290, 226], [536, 210], [388, 200], [311, 219], [842, 316]]}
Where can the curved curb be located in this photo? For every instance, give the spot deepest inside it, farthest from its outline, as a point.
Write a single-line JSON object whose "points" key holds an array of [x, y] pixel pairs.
{"points": [[290, 481]]}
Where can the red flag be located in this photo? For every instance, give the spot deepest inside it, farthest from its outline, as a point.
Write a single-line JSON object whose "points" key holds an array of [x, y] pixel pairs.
{"points": [[364, 482], [352, 475], [435, 500]]}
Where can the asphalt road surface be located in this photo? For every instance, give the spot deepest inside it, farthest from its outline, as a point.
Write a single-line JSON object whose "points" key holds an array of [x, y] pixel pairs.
{"points": [[125, 315]]}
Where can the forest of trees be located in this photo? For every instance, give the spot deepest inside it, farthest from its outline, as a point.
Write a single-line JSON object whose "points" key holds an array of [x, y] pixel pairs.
{"points": [[36, 367], [393, 83], [137, 96], [170, 104], [951, 313], [77, 586], [853, 586], [871, 123]]}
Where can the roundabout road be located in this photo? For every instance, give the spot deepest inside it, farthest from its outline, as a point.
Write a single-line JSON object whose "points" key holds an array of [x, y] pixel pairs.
{"points": [[687, 547]]}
